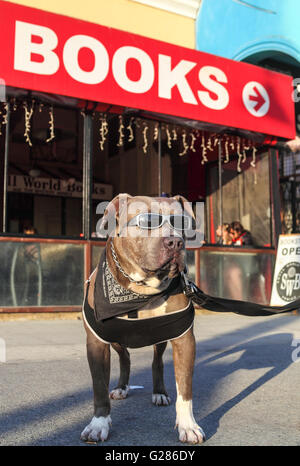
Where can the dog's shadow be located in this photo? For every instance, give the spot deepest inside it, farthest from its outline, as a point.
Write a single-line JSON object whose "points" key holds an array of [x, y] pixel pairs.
{"points": [[220, 373]]}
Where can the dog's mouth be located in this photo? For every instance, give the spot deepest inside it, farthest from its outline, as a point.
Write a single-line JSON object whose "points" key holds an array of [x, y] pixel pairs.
{"points": [[171, 267]]}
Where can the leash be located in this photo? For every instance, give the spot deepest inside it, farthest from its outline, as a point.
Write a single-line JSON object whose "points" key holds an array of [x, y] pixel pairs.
{"points": [[244, 308]]}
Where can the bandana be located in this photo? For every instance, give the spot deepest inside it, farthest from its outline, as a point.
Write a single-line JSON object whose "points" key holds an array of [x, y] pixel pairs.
{"points": [[111, 299]]}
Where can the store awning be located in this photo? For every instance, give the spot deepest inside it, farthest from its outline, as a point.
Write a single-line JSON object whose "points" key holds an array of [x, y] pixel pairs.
{"points": [[56, 54]]}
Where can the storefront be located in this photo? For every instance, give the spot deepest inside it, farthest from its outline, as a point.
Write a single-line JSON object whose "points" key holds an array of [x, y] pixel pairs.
{"points": [[89, 111], [266, 34]]}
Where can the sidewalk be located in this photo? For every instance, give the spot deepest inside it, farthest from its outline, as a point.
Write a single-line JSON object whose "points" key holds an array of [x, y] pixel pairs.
{"points": [[246, 385]]}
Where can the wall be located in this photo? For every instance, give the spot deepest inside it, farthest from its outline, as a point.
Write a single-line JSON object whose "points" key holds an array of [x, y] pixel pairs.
{"points": [[238, 29], [125, 15]]}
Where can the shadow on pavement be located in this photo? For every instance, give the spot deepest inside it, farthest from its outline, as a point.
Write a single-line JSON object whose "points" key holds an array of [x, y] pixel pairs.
{"points": [[272, 351]]}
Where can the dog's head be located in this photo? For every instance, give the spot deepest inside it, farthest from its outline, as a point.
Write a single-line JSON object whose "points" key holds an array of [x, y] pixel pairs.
{"points": [[148, 235]]}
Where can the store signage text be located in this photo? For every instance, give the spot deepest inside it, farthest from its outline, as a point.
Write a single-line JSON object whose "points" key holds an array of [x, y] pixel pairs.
{"points": [[56, 54], [40, 58], [55, 187], [286, 279]]}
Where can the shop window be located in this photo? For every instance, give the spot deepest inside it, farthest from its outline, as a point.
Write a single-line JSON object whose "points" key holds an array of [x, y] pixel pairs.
{"points": [[44, 186], [289, 170], [245, 198]]}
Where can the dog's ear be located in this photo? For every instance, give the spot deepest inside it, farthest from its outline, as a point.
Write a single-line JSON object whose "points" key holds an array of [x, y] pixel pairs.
{"points": [[195, 236], [109, 222], [185, 204]]}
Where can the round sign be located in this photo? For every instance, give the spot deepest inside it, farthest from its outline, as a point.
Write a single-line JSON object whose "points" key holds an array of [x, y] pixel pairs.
{"points": [[288, 282], [256, 99]]}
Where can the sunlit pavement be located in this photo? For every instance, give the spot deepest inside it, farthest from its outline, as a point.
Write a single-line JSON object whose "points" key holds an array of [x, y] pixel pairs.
{"points": [[246, 385]]}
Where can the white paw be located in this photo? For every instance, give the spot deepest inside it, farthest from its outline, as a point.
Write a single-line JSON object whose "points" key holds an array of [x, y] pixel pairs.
{"points": [[192, 434], [96, 430], [188, 429], [160, 400], [119, 393]]}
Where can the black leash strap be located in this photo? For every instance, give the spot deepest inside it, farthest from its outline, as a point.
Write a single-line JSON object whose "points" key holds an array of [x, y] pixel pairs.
{"points": [[230, 305]]}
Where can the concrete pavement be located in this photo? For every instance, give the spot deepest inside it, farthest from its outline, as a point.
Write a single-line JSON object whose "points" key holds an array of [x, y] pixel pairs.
{"points": [[246, 385]]}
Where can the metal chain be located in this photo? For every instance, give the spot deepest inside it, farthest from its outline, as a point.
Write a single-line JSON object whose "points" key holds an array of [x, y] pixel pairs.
{"points": [[114, 255]]}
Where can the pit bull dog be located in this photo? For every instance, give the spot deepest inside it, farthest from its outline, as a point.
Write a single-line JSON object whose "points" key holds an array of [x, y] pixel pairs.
{"points": [[134, 298]]}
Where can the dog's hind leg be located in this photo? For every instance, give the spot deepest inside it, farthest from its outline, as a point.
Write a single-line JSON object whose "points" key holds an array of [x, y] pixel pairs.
{"points": [[121, 390], [99, 361], [184, 356], [160, 396]]}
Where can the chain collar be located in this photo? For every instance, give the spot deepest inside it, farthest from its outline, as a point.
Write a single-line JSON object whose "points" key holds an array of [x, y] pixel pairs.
{"points": [[114, 255]]}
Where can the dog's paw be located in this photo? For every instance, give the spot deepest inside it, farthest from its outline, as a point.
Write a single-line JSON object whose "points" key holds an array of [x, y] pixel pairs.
{"points": [[96, 430], [191, 434], [119, 393], [159, 399]]}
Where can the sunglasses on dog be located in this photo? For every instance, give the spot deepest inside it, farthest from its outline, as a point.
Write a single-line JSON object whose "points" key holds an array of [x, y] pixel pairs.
{"points": [[150, 221]]}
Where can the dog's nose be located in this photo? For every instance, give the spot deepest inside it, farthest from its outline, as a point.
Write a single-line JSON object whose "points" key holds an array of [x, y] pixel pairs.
{"points": [[173, 243]]}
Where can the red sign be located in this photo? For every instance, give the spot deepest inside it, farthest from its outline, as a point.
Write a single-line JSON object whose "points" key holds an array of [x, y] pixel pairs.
{"points": [[51, 53]]}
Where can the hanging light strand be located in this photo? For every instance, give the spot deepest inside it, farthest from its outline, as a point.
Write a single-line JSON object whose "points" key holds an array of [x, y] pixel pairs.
{"points": [[253, 161], [204, 150], [169, 139], [240, 155], [51, 125], [130, 129], [184, 143], [145, 130], [193, 139], [226, 150], [28, 115], [103, 130], [121, 132]]}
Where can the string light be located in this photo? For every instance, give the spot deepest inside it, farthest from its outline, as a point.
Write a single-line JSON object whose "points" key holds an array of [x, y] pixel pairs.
{"points": [[253, 161], [121, 132], [145, 130], [204, 150], [130, 129], [28, 115], [209, 147], [174, 134], [240, 155], [3, 116], [185, 145], [192, 146], [169, 139], [103, 130], [155, 132], [226, 150], [51, 125]]}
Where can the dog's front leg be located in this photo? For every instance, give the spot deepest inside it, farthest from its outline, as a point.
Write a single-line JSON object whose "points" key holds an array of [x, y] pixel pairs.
{"points": [[99, 361], [184, 358], [121, 390], [160, 396]]}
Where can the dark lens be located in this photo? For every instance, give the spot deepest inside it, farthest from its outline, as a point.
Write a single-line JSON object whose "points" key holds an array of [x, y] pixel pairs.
{"points": [[180, 222], [150, 221]]}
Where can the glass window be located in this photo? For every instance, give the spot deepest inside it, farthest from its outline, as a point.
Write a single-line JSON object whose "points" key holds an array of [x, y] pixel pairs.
{"points": [[245, 198], [44, 189]]}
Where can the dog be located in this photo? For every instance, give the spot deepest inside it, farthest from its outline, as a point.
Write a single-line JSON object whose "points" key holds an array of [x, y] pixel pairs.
{"points": [[139, 278]]}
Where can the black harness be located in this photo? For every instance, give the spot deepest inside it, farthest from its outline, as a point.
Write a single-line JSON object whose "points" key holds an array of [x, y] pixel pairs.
{"points": [[136, 333]]}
